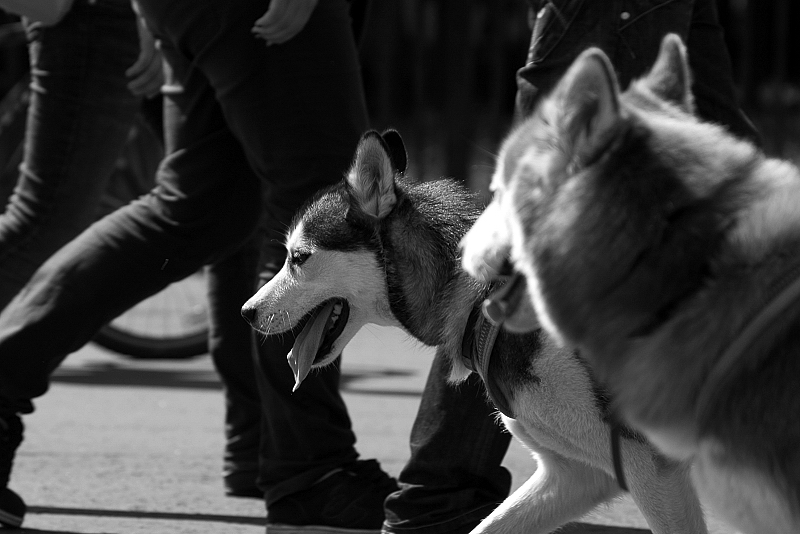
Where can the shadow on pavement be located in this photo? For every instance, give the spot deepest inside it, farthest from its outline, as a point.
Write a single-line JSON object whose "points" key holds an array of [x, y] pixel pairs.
{"points": [[572, 528], [39, 531], [589, 528], [177, 516], [110, 374], [114, 374]]}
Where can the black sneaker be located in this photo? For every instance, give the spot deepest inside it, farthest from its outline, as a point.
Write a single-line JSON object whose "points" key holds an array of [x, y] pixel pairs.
{"points": [[348, 500], [12, 507], [242, 483]]}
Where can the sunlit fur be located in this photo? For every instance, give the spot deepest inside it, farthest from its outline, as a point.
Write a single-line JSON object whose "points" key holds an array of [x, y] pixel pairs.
{"points": [[392, 250], [648, 240], [296, 291]]}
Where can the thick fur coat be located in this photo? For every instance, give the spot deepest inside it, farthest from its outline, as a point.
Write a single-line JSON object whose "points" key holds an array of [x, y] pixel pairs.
{"points": [[668, 252]]}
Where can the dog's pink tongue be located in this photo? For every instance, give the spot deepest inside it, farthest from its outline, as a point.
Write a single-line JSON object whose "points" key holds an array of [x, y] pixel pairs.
{"points": [[305, 348]]}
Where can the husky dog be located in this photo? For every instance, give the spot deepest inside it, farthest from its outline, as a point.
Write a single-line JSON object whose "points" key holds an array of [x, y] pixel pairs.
{"points": [[668, 253], [377, 248]]}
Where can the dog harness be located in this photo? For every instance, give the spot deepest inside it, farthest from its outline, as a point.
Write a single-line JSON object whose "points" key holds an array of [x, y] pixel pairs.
{"points": [[476, 352], [785, 293]]}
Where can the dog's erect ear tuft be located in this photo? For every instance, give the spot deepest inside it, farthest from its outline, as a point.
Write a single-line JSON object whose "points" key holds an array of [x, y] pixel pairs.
{"points": [[397, 149], [588, 97], [670, 78], [371, 179]]}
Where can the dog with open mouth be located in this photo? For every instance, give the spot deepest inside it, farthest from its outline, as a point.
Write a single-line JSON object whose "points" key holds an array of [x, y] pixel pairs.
{"points": [[667, 252], [379, 248]]}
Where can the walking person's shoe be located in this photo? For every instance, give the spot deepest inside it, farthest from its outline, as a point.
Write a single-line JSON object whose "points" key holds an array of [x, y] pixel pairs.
{"points": [[12, 507], [240, 481], [348, 500]]}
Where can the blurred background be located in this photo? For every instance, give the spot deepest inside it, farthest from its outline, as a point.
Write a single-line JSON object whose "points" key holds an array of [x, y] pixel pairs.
{"points": [[451, 90], [443, 73]]}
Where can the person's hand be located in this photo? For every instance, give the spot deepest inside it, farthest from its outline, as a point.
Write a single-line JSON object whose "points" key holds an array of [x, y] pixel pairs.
{"points": [[146, 75], [283, 20]]}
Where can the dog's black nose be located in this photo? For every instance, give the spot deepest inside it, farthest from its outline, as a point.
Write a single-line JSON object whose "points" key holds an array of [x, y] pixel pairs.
{"points": [[507, 269], [504, 301], [249, 314]]}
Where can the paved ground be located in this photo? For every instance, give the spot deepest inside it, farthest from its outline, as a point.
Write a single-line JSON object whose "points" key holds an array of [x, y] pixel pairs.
{"points": [[119, 446]]}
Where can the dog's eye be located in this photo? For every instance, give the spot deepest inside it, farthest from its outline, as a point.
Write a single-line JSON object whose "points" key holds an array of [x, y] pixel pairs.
{"points": [[298, 258]]}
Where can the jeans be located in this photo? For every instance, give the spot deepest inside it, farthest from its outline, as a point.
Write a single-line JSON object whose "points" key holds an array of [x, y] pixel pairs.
{"points": [[302, 435], [251, 132], [453, 478], [630, 32], [79, 116], [230, 343]]}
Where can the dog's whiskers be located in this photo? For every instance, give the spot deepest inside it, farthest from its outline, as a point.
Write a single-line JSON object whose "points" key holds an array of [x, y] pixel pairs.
{"points": [[275, 323], [269, 323]]}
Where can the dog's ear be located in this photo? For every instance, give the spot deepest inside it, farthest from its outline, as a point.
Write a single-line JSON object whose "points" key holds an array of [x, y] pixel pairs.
{"points": [[371, 179], [670, 77], [397, 149], [587, 98]]}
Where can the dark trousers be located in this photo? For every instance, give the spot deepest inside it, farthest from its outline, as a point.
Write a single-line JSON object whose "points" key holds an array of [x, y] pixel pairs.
{"points": [[250, 131], [454, 477], [630, 33], [287, 440], [79, 117]]}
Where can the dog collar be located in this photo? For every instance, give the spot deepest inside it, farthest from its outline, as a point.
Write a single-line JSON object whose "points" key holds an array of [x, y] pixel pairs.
{"points": [[476, 352], [785, 293]]}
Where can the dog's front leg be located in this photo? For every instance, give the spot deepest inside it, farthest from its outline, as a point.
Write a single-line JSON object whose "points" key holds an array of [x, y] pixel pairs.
{"points": [[663, 491], [561, 490]]}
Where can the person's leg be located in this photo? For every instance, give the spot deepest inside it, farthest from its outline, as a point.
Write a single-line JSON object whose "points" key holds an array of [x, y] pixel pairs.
{"points": [[712, 72], [205, 205], [286, 439], [78, 120], [307, 433], [454, 477], [231, 344], [298, 110], [255, 373], [310, 467], [630, 34], [79, 116], [638, 40]]}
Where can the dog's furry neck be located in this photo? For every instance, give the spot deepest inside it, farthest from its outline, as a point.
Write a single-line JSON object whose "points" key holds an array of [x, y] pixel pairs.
{"points": [[428, 289]]}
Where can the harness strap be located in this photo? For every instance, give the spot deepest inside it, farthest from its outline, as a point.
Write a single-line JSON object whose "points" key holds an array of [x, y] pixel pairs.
{"points": [[616, 454], [476, 352], [786, 295], [726, 365]]}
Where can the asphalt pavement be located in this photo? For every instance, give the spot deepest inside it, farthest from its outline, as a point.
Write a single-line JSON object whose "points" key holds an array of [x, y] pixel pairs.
{"points": [[124, 446]]}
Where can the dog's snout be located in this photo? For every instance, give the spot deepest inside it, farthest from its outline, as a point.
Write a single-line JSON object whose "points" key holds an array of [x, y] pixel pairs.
{"points": [[249, 313]]}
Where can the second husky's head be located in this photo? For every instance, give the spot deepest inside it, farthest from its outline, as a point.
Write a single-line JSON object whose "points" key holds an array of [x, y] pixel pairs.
{"points": [[331, 280], [585, 186]]}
